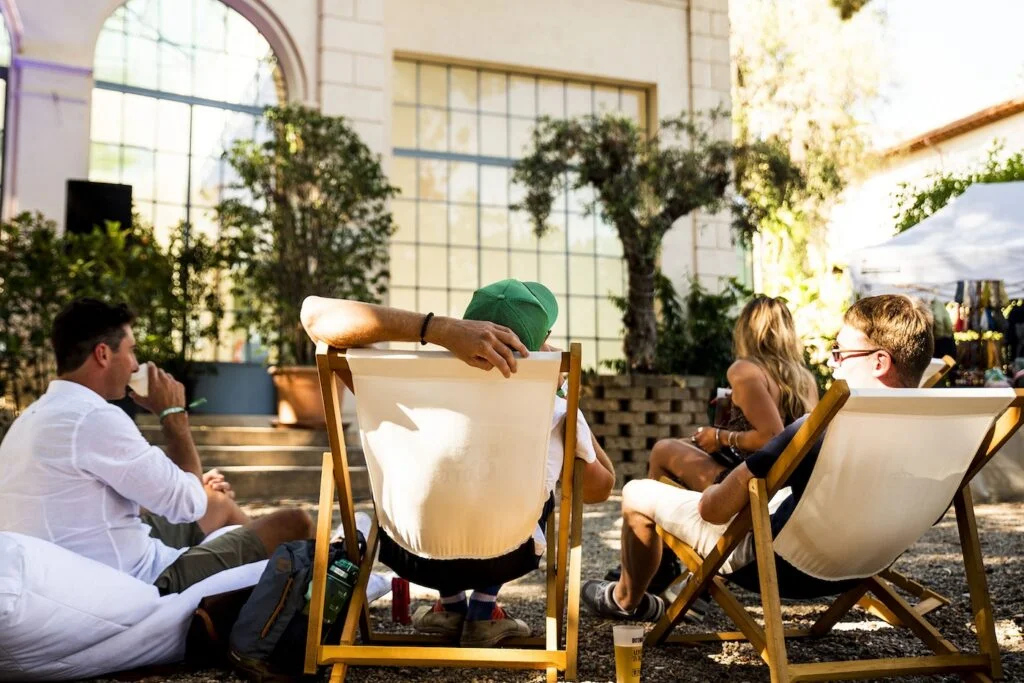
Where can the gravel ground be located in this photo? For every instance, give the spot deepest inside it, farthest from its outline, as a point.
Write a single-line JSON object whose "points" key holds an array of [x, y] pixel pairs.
{"points": [[934, 561]]}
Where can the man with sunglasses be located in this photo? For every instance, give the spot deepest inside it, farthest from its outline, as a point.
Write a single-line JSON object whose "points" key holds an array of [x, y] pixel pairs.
{"points": [[885, 341]]}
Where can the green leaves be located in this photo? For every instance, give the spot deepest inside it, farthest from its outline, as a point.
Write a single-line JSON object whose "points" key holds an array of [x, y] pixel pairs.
{"points": [[915, 203], [310, 218]]}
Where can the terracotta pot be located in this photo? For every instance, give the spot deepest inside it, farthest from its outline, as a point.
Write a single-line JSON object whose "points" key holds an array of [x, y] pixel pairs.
{"points": [[299, 401]]}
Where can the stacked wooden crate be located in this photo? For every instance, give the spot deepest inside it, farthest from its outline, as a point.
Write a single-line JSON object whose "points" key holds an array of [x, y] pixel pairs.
{"points": [[630, 413]]}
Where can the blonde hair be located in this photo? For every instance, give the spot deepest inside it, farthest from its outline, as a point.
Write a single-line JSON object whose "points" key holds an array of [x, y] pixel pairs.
{"points": [[766, 336]]}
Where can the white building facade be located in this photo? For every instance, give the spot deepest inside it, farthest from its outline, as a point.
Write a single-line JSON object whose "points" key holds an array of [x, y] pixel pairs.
{"points": [[150, 93]]}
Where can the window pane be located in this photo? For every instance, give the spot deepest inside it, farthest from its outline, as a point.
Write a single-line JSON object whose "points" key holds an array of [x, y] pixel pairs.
{"points": [[493, 265], [138, 171], [433, 179], [551, 98], [464, 133], [403, 126], [581, 233], [403, 264], [523, 265], [581, 274], [523, 96], [433, 127], [606, 99], [403, 175], [106, 128], [520, 231], [105, 163], [404, 213], [493, 92], [141, 62], [582, 318], [552, 272], [110, 63], [520, 133], [608, 242], [433, 270], [458, 302], [634, 105], [462, 225], [462, 265], [435, 300], [609, 318], [433, 85], [609, 350], [208, 176], [433, 226], [401, 297], [139, 116], [175, 69], [494, 136], [462, 181], [554, 238], [609, 276], [403, 82], [173, 124], [494, 228], [578, 100], [171, 178], [494, 186], [463, 89]]}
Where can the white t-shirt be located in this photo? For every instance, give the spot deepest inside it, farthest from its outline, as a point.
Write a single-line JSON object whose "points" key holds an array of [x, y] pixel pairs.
{"points": [[74, 471], [584, 451]]}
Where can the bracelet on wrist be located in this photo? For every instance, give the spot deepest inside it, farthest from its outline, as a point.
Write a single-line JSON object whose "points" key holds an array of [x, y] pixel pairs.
{"points": [[423, 329], [170, 411]]}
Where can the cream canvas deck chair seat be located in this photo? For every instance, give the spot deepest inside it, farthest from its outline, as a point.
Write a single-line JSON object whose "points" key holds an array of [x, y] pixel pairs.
{"points": [[889, 465], [456, 459]]}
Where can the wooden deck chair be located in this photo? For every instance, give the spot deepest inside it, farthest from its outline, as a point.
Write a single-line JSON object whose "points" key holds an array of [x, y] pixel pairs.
{"points": [[890, 463], [456, 461], [927, 600]]}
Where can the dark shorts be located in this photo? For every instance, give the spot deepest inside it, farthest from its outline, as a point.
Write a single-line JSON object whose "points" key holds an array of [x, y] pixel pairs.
{"points": [[452, 576], [232, 549]]}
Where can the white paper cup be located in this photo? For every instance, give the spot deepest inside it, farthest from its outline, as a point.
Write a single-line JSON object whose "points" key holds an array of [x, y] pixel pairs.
{"points": [[139, 381]]}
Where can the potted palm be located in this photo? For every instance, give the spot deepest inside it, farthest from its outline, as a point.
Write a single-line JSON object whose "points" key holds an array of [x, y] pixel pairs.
{"points": [[308, 215]]}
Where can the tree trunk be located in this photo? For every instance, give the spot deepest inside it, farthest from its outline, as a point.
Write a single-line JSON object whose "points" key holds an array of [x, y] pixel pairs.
{"points": [[640, 320]]}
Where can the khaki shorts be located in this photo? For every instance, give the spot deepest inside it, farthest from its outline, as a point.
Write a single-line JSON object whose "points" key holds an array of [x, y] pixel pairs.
{"points": [[232, 549]]}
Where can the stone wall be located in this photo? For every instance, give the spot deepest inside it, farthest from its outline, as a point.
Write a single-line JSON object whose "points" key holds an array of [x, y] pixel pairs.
{"points": [[630, 413]]}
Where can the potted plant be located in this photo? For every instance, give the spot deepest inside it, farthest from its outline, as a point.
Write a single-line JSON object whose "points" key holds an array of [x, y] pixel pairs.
{"points": [[308, 215]]}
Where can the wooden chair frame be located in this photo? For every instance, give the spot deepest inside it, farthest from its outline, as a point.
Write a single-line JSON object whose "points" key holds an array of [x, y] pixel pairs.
{"points": [[770, 641], [550, 652]]}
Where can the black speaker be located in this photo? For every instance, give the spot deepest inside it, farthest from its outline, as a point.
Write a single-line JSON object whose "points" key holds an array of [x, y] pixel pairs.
{"points": [[91, 204]]}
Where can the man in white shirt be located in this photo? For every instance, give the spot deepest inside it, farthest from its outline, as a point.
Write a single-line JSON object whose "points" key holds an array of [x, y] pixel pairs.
{"points": [[75, 470]]}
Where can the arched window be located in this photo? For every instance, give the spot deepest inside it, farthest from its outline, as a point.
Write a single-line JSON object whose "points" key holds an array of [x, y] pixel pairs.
{"points": [[176, 83], [5, 63]]}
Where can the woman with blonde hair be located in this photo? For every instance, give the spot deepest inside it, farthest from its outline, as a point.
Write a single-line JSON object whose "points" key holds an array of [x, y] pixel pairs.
{"points": [[771, 387]]}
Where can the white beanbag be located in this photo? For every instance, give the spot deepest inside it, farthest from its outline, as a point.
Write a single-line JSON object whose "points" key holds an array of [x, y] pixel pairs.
{"points": [[64, 616]]}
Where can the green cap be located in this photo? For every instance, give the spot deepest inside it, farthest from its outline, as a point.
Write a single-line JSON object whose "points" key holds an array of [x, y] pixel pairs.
{"points": [[527, 308]]}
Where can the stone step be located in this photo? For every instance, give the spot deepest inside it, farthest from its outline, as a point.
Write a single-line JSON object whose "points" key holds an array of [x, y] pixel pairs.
{"points": [[269, 456], [199, 419], [234, 435], [262, 483]]}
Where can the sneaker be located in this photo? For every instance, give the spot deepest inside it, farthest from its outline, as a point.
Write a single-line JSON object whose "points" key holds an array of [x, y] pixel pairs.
{"points": [[597, 597], [668, 571], [490, 632], [698, 610], [435, 620]]}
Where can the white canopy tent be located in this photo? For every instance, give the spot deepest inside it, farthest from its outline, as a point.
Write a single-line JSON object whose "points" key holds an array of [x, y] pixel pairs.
{"points": [[977, 236]]}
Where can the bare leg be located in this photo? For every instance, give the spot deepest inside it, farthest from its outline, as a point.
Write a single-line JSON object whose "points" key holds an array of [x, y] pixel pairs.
{"points": [[686, 464], [221, 511], [282, 526], [641, 555]]}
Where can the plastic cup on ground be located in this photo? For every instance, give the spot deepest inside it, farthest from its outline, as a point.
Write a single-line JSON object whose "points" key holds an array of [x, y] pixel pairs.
{"points": [[629, 641]]}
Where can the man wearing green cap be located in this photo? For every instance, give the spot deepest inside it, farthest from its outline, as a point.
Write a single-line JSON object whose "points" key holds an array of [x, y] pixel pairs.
{"points": [[502, 317]]}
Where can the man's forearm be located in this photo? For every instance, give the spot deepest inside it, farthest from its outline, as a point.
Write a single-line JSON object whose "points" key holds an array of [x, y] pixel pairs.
{"points": [[180, 447], [350, 324]]}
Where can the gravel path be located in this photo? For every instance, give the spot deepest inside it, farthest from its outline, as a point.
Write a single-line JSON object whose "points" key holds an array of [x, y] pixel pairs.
{"points": [[934, 561]]}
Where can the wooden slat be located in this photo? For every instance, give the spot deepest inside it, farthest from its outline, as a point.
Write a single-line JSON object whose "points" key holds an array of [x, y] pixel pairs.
{"points": [[314, 631], [775, 641], [387, 655], [884, 668], [572, 622], [336, 438], [735, 611], [552, 635], [977, 584], [807, 436], [1004, 428], [725, 636], [339, 362], [940, 373], [568, 458], [921, 627], [837, 610], [358, 600], [916, 589]]}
